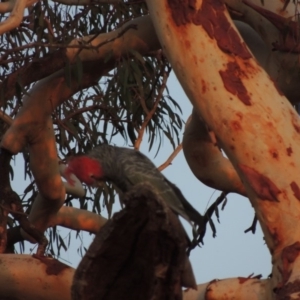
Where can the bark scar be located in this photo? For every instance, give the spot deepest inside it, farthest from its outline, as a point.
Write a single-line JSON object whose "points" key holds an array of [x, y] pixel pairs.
{"points": [[233, 83], [211, 16], [263, 186]]}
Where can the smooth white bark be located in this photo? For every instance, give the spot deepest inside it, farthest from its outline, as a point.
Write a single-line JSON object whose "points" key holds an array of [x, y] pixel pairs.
{"points": [[255, 125], [231, 288], [23, 277], [206, 160]]}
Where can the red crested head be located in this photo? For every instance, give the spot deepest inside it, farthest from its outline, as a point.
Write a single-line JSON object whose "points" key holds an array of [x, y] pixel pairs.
{"points": [[86, 169]]}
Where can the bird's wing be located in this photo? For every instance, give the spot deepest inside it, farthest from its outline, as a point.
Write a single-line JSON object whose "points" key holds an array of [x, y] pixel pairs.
{"points": [[193, 214], [162, 189]]}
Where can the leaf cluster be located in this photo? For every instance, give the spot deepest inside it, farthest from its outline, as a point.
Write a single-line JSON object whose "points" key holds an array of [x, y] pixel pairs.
{"points": [[130, 103]]}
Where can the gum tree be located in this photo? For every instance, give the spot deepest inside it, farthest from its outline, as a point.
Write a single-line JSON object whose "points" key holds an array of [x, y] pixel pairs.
{"points": [[78, 73]]}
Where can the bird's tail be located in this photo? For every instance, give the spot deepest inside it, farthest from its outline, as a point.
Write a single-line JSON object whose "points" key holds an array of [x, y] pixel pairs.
{"points": [[191, 212]]}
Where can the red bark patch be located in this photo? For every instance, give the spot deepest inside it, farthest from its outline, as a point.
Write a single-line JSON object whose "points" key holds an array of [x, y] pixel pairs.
{"points": [[54, 267], [295, 189], [274, 153], [243, 279], [288, 256], [203, 86], [263, 186], [187, 45], [289, 151], [239, 115], [284, 292], [236, 125], [291, 252], [233, 84], [211, 16], [276, 238]]}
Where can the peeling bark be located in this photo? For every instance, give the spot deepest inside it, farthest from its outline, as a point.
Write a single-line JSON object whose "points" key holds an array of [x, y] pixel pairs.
{"points": [[256, 135], [256, 127]]}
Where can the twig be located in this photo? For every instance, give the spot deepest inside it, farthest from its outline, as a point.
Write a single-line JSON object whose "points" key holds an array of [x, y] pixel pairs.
{"points": [[15, 17], [84, 109], [12, 211], [149, 116], [82, 44], [5, 118], [122, 32], [286, 3], [170, 158], [142, 101]]}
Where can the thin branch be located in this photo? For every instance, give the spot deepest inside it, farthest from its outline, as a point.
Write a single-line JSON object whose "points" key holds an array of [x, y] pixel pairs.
{"points": [[15, 18], [5, 118], [121, 33], [81, 44], [12, 211], [170, 158], [88, 2], [139, 139], [82, 110], [142, 101], [149, 116]]}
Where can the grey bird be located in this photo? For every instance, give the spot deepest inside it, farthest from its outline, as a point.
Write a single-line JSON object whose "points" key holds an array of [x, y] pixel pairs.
{"points": [[125, 168]]}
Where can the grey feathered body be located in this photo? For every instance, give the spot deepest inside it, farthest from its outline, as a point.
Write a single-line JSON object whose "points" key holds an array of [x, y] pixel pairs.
{"points": [[126, 167]]}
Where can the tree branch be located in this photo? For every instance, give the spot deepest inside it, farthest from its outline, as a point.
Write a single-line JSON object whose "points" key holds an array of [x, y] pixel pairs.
{"points": [[170, 158], [15, 17], [150, 114], [54, 278], [244, 288], [206, 160], [255, 125], [116, 44]]}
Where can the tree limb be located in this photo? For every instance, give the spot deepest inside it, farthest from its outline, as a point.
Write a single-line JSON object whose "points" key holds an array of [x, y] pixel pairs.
{"points": [[15, 17], [251, 288], [256, 126], [19, 272], [116, 44], [206, 160]]}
